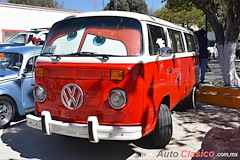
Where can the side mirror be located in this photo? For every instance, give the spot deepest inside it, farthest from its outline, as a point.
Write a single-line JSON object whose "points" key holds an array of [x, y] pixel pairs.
{"points": [[165, 52]]}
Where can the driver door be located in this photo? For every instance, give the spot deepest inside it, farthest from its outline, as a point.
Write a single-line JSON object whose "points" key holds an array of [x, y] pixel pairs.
{"points": [[27, 85]]}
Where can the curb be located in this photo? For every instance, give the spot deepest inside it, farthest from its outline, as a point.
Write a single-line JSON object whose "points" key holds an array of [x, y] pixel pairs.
{"points": [[219, 96]]}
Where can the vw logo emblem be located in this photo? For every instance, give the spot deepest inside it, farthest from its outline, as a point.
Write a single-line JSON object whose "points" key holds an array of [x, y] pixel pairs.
{"points": [[72, 96]]}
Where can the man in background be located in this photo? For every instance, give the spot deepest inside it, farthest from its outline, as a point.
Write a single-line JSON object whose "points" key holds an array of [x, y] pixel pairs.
{"points": [[203, 53]]}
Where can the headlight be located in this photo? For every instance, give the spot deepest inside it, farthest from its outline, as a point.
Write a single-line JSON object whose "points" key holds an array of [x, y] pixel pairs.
{"points": [[39, 93], [117, 99]]}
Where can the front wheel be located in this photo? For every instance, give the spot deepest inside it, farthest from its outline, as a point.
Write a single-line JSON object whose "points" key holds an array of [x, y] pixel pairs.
{"points": [[7, 111], [162, 134]]}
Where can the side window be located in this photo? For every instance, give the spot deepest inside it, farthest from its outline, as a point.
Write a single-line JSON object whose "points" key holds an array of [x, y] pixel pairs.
{"points": [[30, 38], [21, 39], [31, 64], [156, 39], [190, 42], [196, 42], [43, 36], [176, 41]]}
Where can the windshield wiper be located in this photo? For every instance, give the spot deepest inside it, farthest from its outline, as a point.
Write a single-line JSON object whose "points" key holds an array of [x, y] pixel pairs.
{"points": [[83, 54], [104, 56], [47, 54], [88, 54]]}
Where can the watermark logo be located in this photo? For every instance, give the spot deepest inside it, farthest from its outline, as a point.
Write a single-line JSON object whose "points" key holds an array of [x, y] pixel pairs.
{"points": [[191, 154]]}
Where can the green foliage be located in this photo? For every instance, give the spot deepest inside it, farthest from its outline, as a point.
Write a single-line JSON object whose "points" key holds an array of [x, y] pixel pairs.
{"points": [[219, 6], [122, 5], [223, 15], [185, 17], [178, 5], [138, 6], [42, 3]]}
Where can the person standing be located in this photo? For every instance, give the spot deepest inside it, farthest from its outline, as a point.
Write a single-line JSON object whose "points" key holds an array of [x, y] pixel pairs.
{"points": [[238, 50], [203, 53]]}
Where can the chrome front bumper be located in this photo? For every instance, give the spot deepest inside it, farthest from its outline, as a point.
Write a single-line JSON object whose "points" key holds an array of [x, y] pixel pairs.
{"points": [[92, 130]]}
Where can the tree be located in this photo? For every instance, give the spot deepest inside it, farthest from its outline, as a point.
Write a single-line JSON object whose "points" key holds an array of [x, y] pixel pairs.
{"points": [[138, 6], [187, 18], [42, 3], [224, 18]]}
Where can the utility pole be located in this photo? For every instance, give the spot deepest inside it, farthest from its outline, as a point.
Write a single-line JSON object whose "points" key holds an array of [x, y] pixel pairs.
{"points": [[152, 10], [103, 4], [94, 5], [115, 5]]}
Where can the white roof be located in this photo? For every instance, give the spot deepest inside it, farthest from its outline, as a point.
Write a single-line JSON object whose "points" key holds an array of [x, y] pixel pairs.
{"points": [[138, 16]]}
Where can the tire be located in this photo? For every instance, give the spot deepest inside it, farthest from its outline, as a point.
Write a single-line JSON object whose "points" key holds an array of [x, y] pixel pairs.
{"points": [[7, 111], [162, 134], [189, 102]]}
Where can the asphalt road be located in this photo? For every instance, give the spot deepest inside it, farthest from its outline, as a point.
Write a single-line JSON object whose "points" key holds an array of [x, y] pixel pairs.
{"points": [[193, 131], [190, 128]]}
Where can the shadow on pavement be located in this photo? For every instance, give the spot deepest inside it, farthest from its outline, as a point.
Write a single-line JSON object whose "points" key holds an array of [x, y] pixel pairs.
{"points": [[31, 143], [211, 116], [189, 126], [195, 124]]}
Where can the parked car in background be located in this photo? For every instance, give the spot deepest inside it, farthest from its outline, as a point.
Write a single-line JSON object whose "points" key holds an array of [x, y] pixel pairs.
{"points": [[16, 82], [24, 38], [213, 53]]}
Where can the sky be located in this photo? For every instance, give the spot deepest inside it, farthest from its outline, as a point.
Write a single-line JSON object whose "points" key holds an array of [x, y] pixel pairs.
{"points": [[88, 5]]}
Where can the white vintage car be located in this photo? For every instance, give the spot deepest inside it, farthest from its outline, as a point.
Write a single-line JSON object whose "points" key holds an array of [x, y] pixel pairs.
{"points": [[213, 53], [24, 38]]}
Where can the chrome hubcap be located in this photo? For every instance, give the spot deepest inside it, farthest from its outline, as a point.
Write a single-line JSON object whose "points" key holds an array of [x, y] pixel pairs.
{"points": [[5, 113]]}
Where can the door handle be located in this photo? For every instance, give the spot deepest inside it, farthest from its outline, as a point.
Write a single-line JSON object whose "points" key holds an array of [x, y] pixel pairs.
{"points": [[170, 70]]}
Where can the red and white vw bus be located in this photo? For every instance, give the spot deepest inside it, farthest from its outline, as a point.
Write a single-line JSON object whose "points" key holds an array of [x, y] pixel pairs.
{"points": [[114, 76]]}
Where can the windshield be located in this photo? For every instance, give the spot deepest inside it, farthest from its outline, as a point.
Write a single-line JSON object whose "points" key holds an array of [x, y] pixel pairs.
{"points": [[19, 38], [23, 38], [11, 61], [113, 36]]}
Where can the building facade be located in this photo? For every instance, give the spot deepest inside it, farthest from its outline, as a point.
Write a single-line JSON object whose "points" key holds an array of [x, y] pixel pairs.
{"points": [[15, 18]]}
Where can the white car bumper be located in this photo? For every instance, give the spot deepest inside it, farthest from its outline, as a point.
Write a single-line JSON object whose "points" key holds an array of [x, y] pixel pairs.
{"points": [[91, 130]]}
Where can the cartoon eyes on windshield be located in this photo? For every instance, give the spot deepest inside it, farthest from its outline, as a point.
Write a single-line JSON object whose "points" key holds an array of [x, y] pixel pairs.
{"points": [[72, 36], [68, 43], [98, 41]]}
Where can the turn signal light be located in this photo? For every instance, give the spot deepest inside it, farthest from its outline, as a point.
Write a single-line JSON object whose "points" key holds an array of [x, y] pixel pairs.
{"points": [[39, 72], [117, 74]]}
